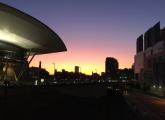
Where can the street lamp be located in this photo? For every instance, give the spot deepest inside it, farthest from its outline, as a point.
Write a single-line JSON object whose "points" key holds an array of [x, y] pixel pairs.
{"points": [[160, 86], [54, 67]]}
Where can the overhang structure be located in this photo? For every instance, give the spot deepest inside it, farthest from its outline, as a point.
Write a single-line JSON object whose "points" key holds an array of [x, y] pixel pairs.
{"points": [[24, 31]]}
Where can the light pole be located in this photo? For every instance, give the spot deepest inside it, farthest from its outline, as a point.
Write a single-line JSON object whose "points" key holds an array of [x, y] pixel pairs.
{"points": [[54, 67]]}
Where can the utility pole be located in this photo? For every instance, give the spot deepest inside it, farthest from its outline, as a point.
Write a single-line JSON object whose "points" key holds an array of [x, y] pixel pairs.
{"points": [[54, 67]]}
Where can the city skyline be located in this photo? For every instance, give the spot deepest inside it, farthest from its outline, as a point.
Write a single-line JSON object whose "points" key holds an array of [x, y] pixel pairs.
{"points": [[92, 30]]}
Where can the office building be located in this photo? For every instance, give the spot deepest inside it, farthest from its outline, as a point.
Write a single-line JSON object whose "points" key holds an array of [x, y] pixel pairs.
{"points": [[76, 69], [111, 68], [150, 62]]}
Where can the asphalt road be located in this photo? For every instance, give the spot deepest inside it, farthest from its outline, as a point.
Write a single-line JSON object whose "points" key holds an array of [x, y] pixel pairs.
{"points": [[61, 103], [151, 108]]}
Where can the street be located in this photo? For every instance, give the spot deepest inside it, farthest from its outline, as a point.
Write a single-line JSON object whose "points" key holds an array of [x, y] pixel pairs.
{"points": [[152, 108], [56, 102]]}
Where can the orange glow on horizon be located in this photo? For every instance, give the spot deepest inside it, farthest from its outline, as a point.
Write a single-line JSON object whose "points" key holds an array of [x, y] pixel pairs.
{"points": [[87, 63], [87, 69], [89, 56]]}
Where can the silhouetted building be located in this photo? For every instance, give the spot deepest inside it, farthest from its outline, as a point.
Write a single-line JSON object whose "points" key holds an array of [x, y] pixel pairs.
{"points": [[111, 68], [126, 74], [162, 34], [76, 69], [66, 77], [150, 63], [103, 74], [37, 74], [63, 70], [147, 39], [139, 44], [152, 36]]}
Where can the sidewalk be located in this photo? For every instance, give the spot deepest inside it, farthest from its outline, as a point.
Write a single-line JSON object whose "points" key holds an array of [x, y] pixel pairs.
{"points": [[149, 107], [155, 92]]}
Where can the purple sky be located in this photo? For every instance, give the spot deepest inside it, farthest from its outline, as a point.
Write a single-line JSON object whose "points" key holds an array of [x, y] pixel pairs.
{"points": [[93, 29]]}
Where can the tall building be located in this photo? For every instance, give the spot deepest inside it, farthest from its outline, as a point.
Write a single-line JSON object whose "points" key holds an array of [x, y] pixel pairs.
{"points": [[111, 68], [76, 69], [150, 62], [139, 44]]}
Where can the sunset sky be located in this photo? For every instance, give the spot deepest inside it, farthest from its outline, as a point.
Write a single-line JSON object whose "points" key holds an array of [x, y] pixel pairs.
{"points": [[93, 29]]}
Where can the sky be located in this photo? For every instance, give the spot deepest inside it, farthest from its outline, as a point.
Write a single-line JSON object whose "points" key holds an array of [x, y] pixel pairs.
{"points": [[93, 29]]}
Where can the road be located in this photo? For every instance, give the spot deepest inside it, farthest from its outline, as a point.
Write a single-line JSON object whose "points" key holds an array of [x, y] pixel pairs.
{"points": [[151, 108], [64, 102]]}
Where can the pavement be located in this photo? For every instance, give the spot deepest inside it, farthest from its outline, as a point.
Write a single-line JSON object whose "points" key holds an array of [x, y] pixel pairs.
{"points": [[64, 102], [150, 107]]}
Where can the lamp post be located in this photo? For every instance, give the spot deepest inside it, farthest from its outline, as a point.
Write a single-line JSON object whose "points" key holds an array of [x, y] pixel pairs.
{"points": [[54, 67]]}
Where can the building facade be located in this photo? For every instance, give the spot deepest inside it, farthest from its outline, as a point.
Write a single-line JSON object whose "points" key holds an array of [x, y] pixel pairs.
{"points": [[76, 69], [150, 61], [111, 68]]}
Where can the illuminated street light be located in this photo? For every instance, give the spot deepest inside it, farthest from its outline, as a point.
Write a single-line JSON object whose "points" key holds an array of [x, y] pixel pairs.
{"points": [[160, 86], [154, 86], [36, 82], [109, 87], [42, 80]]}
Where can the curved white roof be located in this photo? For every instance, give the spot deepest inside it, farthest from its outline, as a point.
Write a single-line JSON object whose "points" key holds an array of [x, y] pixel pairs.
{"points": [[21, 29]]}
